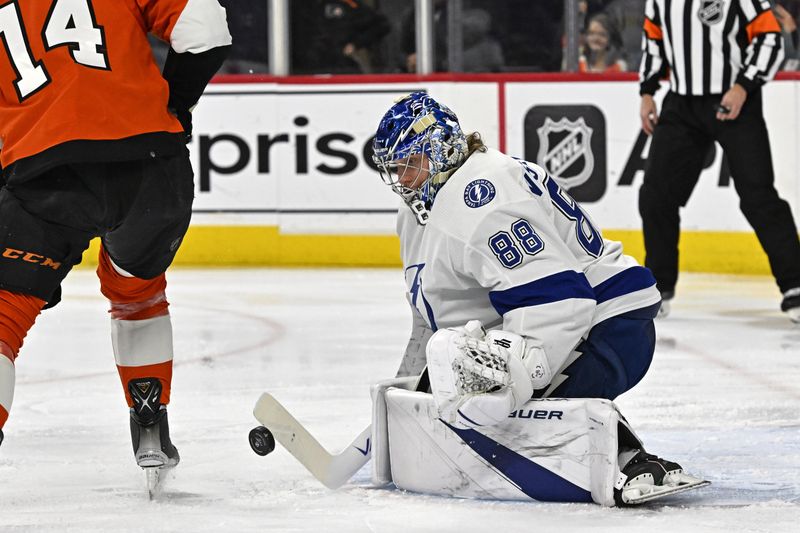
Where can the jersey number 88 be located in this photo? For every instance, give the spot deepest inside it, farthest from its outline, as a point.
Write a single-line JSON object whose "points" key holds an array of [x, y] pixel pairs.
{"points": [[503, 246]]}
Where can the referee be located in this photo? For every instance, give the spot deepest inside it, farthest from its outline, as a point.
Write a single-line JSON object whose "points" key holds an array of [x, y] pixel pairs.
{"points": [[718, 54]]}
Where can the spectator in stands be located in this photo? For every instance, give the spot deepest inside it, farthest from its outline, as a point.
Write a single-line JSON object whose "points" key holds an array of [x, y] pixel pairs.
{"points": [[482, 52], [409, 42], [602, 49], [249, 54], [787, 12], [530, 40], [627, 16], [334, 36], [587, 8], [532, 36]]}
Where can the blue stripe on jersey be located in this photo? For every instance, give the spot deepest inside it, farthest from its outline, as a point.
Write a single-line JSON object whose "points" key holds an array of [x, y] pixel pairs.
{"points": [[429, 311], [531, 478], [630, 280], [562, 286]]}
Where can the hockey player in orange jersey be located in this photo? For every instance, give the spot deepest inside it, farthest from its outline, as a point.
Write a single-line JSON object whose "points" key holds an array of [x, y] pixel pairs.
{"points": [[93, 144]]}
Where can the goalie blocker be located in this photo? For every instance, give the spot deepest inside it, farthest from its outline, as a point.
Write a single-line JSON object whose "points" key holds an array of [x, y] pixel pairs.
{"points": [[555, 450]]}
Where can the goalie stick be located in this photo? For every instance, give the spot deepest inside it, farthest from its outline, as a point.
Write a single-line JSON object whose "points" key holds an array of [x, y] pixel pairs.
{"points": [[331, 470]]}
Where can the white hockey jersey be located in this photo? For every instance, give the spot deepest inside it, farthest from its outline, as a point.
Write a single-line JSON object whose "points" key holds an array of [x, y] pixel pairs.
{"points": [[507, 246]]}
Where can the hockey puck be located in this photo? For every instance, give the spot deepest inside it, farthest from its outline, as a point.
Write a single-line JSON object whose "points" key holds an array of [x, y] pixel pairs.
{"points": [[261, 440]]}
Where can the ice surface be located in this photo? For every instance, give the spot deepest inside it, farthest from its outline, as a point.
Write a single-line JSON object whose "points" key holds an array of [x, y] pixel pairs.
{"points": [[722, 398]]}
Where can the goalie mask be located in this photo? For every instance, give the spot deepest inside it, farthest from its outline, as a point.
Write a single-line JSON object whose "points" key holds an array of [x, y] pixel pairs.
{"points": [[420, 143]]}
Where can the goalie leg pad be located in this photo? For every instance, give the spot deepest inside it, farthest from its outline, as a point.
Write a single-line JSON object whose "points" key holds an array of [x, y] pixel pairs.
{"points": [[549, 450], [381, 471]]}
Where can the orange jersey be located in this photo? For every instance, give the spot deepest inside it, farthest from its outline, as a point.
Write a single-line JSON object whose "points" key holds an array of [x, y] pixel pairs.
{"points": [[83, 70]]}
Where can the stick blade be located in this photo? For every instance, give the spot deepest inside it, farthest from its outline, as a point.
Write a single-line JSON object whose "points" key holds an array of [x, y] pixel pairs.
{"points": [[332, 470]]}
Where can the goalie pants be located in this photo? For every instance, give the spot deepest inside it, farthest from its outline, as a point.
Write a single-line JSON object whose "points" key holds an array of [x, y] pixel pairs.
{"points": [[685, 134], [614, 357]]}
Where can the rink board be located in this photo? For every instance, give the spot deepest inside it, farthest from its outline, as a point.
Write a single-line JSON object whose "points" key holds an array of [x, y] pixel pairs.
{"points": [[283, 175]]}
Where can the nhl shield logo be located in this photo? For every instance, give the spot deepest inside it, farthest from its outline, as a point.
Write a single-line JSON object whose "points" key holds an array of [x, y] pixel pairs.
{"points": [[569, 141], [710, 12], [565, 150]]}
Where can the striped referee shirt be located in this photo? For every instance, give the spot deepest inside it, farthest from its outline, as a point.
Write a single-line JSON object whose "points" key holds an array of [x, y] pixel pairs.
{"points": [[708, 45]]}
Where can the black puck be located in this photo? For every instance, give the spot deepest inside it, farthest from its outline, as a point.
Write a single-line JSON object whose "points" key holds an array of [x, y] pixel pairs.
{"points": [[261, 440]]}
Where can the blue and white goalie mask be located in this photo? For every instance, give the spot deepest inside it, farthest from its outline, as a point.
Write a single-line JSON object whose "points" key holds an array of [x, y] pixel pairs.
{"points": [[419, 143]]}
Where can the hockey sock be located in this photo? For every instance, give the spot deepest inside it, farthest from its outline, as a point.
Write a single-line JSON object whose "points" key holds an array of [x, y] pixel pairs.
{"points": [[131, 298], [18, 312], [7, 378], [141, 330]]}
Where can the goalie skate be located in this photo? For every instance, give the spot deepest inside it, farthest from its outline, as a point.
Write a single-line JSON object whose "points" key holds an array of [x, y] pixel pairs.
{"points": [[646, 478]]}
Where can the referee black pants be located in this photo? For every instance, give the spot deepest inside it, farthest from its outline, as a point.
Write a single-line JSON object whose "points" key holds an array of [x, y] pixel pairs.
{"points": [[687, 128]]}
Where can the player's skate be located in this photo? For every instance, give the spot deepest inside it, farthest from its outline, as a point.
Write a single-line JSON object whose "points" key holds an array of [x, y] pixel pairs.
{"points": [[791, 304], [666, 304], [152, 446], [646, 477]]}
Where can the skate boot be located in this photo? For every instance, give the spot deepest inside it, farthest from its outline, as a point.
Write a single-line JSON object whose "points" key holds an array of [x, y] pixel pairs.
{"points": [[791, 304], [666, 305], [152, 446], [646, 477]]}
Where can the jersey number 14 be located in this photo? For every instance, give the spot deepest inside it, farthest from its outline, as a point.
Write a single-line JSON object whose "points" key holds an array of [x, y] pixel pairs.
{"points": [[69, 23]]}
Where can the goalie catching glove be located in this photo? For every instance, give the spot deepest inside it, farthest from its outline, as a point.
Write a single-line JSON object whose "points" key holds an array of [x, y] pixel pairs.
{"points": [[479, 378]]}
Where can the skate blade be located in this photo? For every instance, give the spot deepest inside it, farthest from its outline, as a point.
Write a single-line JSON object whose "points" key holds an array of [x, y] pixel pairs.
{"points": [[639, 495], [155, 477]]}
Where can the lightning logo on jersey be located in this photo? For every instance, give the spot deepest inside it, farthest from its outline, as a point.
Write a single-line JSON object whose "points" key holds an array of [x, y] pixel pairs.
{"points": [[479, 193]]}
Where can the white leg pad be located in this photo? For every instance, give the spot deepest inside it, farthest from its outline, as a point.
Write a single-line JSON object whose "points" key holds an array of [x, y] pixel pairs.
{"points": [[550, 450], [7, 379], [142, 342], [381, 470]]}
